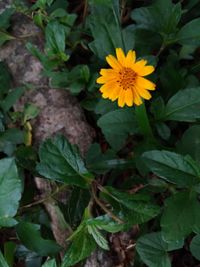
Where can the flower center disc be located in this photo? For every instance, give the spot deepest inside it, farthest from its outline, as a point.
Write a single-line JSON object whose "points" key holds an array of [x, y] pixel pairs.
{"points": [[127, 78]]}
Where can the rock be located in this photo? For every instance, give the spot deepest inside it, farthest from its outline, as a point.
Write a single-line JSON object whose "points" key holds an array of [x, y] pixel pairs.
{"points": [[60, 112]]}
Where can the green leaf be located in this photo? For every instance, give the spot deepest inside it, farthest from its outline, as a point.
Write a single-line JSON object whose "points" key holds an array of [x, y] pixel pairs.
{"points": [[134, 208], [82, 246], [41, 4], [9, 252], [100, 162], [61, 161], [30, 111], [153, 250], [172, 73], [181, 216], [46, 62], [78, 200], [172, 167], [163, 130], [10, 191], [104, 106], [105, 223], [74, 80], [184, 106], [30, 236], [163, 16], [3, 262], [58, 4], [195, 247], [9, 139], [55, 38], [117, 125], [106, 29], [5, 18], [50, 263], [146, 41], [98, 237], [12, 135], [11, 98], [4, 36], [190, 142], [158, 107], [26, 157], [189, 33], [59, 79]]}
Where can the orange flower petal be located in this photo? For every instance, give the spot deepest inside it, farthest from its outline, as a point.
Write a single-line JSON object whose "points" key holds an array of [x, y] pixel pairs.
{"points": [[112, 61], [129, 97], [108, 72], [115, 93], [143, 92], [105, 79], [130, 58], [121, 99], [138, 66], [146, 70], [120, 56], [142, 82], [136, 98]]}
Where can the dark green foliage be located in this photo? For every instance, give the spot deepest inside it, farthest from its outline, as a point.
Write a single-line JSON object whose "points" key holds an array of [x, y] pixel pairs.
{"points": [[141, 175]]}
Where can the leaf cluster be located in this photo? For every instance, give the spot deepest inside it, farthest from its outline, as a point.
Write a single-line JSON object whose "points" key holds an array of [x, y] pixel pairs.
{"points": [[143, 168]]}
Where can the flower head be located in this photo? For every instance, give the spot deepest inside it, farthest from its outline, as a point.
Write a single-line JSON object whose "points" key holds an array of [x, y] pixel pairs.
{"points": [[124, 80]]}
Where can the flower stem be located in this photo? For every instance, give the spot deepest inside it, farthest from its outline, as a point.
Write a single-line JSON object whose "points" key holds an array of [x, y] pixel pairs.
{"points": [[143, 122]]}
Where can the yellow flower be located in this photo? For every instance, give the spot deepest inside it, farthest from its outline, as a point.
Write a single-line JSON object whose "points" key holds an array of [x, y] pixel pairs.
{"points": [[124, 81]]}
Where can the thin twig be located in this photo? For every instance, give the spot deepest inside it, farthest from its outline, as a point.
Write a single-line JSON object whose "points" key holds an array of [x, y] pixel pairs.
{"points": [[103, 207], [42, 200]]}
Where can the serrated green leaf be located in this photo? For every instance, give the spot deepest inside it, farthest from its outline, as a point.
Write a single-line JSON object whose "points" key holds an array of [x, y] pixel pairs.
{"points": [[30, 236], [61, 161], [184, 106], [104, 222], [172, 167], [195, 247], [134, 208], [117, 125], [153, 250], [98, 237], [82, 246], [189, 33], [10, 191], [181, 216]]}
